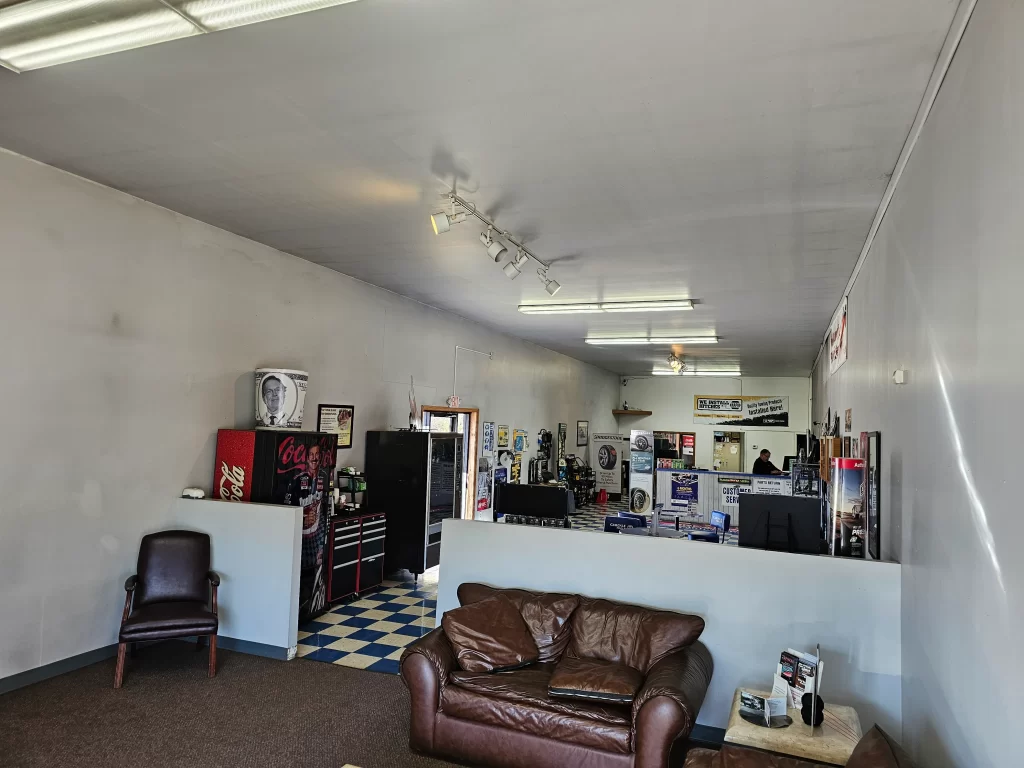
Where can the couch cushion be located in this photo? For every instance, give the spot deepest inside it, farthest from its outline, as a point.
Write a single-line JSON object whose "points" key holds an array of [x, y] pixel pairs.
{"points": [[738, 757], [489, 636], [518, 701], [629, 634], [168, 619], [546, 614], [595, 680], [877, 750]]}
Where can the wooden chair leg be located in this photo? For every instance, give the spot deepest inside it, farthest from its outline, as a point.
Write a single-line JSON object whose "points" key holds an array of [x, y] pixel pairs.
{"points": [[213, 656], [119, 670], [199, 643]]}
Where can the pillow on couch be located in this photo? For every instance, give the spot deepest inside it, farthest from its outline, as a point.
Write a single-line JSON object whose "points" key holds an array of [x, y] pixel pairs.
{"points": [[489, 636], [547, 614], [595, 680]]}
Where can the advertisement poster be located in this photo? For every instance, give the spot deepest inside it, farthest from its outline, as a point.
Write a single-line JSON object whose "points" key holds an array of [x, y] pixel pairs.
{"points": [[684, 489], [484, 477], [689, 443], [338, 420], [731, 488], [741, 410], [503, 436], [516, 472], [836, 339], [607, 452], [641, 474], [519, 444], [846, 508], [487, 448]]}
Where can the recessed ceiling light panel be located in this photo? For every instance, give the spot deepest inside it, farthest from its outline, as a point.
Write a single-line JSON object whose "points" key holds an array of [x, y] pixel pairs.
{"points": [[669, 305], [636, 341]]}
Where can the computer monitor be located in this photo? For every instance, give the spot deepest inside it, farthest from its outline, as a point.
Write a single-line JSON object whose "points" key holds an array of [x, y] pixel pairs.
{"points": [[783, 523], [787, 462]]}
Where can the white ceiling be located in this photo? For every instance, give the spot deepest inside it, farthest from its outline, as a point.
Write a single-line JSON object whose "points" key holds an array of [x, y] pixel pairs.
{"points": [[732, 151]]}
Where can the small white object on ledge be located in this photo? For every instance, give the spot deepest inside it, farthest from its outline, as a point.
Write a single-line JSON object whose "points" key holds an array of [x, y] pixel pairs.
{"points": [[193, 493]]}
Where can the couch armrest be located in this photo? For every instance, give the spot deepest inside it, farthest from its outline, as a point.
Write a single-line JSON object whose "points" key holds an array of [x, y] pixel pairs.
{"points": [[666, 706], [425, 666]]}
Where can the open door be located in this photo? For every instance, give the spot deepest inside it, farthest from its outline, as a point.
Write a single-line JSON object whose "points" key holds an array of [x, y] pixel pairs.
{"points": [[465, 421]]}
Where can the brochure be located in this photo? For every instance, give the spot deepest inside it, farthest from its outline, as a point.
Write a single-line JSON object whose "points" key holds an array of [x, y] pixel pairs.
{"points": [[768, 711], [800, 671]]}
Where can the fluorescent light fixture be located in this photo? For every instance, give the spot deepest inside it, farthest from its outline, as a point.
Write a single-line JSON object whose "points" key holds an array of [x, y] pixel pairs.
{"points": [[652, 340], [671, 305], [44, 33], [559, 309], [696, 373]]}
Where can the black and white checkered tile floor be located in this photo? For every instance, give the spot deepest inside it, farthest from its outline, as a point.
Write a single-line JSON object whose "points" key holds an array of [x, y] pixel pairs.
{"points": [[372, 630]]}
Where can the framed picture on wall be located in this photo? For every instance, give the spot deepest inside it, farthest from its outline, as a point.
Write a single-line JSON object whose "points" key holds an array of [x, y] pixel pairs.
{"points": [[338, 420], [873, 456], [582, 433], [847, 447]]}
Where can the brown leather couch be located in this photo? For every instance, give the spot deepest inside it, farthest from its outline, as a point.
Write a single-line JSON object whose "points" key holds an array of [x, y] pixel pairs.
{"points": [[875, 750], [508, 720]]}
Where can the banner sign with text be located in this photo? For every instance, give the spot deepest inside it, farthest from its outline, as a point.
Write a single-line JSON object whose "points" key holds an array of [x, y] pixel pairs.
{"points": [[741, 410]]}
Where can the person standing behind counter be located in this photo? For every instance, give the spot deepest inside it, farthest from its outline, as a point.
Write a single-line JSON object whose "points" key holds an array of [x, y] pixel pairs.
{"points": [[764, 466]]}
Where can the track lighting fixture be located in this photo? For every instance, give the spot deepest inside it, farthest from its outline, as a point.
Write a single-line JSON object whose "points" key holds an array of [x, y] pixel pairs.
{"points": [[675, 363], [551, 286], [515, 267], [442, 222], [495, 249]]}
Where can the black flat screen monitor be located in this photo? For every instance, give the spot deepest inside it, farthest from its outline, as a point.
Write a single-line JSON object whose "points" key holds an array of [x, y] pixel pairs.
{"points": [[782, 523]]}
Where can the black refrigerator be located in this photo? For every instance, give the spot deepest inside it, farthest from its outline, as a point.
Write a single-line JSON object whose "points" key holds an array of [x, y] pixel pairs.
{"points": [[415, 479]]}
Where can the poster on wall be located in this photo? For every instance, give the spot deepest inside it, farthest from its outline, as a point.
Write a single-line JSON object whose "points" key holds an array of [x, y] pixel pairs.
{"points": [[484, 478], [516, 472], [503, 436], [836, 339], [608, 451], [641, 471], [519, 440], [684, 490], [338, 420], [848, 420], [741, 410], [487, 449], [772, 486]]}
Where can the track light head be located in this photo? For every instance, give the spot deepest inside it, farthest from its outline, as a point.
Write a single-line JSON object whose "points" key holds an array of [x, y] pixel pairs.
{"points": [[495, 249], [551, 286], [514, 268], [442, 222], [675, 363]]}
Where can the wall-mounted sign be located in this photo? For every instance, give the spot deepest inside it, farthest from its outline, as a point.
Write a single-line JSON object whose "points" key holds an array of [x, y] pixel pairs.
{"points": [[503, 436], [641, 475], [608, 452], [836, 339], [741, 410], [488, 442]]}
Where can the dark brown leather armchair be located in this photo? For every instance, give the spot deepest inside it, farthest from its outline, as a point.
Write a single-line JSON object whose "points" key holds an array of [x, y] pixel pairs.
{"points": [[173, 594], [509, 720]]}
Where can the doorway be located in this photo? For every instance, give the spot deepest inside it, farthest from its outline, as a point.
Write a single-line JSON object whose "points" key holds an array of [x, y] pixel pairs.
{"points": [[464, 421], [728, 453]]}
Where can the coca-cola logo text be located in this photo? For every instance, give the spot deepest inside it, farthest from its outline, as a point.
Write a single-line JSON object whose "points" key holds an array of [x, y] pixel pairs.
{"points": [[232, 480], [291, 456]]}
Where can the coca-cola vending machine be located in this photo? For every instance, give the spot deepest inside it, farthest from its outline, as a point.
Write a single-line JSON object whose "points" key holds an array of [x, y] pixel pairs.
{"points": [[292, 468]]}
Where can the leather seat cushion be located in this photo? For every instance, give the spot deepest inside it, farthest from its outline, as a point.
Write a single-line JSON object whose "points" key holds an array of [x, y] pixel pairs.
{"points": [[519, 701], [489, 636], [155, 621], [547, 615], [738, 757], [595, 680]]}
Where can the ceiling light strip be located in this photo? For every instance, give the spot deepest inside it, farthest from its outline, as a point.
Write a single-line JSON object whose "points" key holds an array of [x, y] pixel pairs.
{"points": [[607, 306], [185, 16], [722, 374], [637, 341]]}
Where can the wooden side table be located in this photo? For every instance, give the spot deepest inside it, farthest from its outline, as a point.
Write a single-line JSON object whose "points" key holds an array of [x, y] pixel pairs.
{"points": [[831, 742]]}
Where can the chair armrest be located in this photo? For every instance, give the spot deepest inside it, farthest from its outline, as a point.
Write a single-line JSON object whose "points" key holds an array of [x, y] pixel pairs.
{"points": [[130, 582], [426, 665], [667, 704], [214, 578]]}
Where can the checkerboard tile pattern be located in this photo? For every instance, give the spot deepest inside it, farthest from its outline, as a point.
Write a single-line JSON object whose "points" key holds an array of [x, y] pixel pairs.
{"points": [[371, 631], [591, 518]]}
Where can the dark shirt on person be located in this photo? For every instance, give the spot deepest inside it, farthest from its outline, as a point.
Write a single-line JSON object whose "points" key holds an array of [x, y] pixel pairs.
{"points": [[762, 467]]}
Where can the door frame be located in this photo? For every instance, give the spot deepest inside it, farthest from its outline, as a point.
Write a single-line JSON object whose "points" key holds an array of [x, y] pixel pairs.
{"points": [[469, 493]]}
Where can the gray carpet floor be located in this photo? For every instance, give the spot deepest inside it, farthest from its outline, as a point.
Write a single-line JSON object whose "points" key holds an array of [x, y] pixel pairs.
{"points": [[257, 712]]}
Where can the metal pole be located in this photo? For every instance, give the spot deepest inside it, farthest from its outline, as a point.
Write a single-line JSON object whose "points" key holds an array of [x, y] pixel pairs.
{"points": [[455, 376]]}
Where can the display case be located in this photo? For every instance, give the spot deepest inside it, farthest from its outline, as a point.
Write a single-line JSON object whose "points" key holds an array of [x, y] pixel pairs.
{"points": [[415, 479]]}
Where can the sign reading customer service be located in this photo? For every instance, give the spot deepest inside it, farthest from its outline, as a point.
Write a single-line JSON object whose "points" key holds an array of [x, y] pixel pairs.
{"points": [[741, 410]]}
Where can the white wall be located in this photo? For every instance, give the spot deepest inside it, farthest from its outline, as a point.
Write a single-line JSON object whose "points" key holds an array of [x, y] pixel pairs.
{"points": [[671, 400], [939, 295], [255, 549], [129, 336], [754, 603]]}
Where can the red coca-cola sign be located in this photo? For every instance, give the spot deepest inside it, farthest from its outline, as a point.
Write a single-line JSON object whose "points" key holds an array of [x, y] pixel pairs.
{"points": [[234, 464]]}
